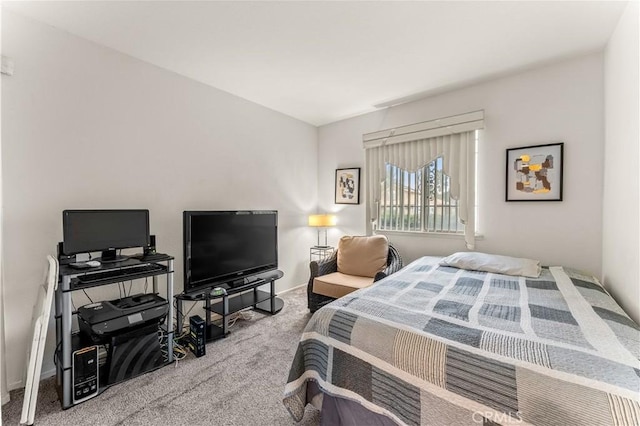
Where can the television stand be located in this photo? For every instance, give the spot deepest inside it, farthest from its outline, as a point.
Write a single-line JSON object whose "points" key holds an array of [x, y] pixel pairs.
{"points": [[239, 296]]}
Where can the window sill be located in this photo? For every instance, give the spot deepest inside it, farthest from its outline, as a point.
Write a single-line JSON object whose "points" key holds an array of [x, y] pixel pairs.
{"points": [[445, 235]]}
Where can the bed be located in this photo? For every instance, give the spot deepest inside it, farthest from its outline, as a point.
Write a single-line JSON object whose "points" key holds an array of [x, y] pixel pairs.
{"points": [[435, 344]]}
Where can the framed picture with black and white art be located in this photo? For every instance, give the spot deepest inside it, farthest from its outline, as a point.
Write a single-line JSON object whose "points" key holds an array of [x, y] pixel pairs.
{"points": [[348, 186], [534, 173]]}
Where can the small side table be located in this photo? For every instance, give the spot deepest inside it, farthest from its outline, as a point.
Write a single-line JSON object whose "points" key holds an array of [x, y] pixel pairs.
{"points": [[319, 253]]}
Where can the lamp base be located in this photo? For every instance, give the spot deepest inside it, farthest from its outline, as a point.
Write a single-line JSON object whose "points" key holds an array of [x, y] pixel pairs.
{"points": [[321, 247]]}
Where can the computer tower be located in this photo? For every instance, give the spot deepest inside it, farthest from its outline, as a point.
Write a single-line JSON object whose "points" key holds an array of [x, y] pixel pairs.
{"points": [[197, 336], [85, 373]]}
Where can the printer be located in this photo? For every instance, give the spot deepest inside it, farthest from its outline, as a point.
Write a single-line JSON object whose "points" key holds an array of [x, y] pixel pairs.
{"points": [[128, 329], [104, 319]]}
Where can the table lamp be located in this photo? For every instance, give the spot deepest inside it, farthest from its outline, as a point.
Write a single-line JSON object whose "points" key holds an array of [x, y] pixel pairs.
{"points": [[322, 221]]}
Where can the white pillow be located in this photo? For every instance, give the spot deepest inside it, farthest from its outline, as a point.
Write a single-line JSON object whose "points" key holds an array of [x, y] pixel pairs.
{"points": [[493, 263]]}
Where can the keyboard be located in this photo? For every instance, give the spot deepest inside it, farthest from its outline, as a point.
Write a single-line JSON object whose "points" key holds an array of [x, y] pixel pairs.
{"points": [[124, 274]]}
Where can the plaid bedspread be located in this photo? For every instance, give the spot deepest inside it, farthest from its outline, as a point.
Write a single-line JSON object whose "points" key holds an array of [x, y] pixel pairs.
{"points": [[438, 345]]}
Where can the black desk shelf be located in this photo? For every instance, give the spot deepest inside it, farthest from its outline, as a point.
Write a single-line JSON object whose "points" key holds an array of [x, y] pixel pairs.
{"points": [[128, 274], [68, 341], [238, 297]]}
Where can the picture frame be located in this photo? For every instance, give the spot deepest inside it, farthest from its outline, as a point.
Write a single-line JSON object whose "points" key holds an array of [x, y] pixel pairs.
{"points": [[535, 173], [347, 186]]}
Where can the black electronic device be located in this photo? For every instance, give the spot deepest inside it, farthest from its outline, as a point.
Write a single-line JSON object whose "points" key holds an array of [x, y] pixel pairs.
{"points": [[107, 231], [107, 318], [155, 257], [64, 259], [133, 352], [151, 248], [197, 335], [227, 246], [85, 373], [120, 274]]}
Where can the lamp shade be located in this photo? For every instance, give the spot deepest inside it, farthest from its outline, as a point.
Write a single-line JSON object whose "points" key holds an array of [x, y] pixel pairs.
{"points": [[322, 220]]}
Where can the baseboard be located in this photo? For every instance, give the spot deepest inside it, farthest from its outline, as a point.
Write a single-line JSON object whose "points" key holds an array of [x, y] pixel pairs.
{"points": [[47, 374], [20, 384], [15, 385], [292, 288], [5, 399]]}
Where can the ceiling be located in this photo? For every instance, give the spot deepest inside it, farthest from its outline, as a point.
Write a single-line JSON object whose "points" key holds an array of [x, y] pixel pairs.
{"points": [[325, 61]]}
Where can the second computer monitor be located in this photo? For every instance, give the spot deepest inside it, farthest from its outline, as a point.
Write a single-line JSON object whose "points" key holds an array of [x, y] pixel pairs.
{"points": [[86, 231]]}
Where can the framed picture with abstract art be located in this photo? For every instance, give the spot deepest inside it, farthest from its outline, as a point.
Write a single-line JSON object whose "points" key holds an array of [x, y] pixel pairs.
{"points": [[348, 186], [534, 173]]}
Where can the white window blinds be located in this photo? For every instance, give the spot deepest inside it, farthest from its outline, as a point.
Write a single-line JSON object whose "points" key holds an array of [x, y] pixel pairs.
{"points": [[413, 147]]}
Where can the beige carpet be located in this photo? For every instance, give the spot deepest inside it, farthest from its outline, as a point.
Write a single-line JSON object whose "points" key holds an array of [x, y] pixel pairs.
{"points": [[239, 381]]}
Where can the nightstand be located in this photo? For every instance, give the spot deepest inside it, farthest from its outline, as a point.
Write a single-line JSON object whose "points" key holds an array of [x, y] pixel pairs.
{"points": [[319, 253]]}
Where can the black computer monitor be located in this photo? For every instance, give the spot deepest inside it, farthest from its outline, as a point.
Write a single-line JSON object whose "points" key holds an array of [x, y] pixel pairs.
{"points": [[87, 231]]}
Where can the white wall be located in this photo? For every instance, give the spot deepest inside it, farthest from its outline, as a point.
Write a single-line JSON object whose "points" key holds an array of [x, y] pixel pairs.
{"points": [[87, 127], [620, 230], [4, 389], [560, 102]]}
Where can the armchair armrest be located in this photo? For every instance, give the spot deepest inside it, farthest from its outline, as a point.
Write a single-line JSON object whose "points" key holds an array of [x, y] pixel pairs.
{"points": [[394, 264], [319, 268], [324, 266]]}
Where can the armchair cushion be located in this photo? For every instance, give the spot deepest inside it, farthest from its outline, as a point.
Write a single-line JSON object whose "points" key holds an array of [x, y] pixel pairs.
{"points": [[337, 284], [362, 256]]}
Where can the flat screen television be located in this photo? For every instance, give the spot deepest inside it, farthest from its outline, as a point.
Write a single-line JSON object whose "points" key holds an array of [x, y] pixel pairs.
{"points": [[86, 231], [228, 246]]}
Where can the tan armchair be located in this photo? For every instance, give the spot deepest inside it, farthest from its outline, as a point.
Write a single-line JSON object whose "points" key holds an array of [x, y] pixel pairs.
{"points": [[358, 263]]}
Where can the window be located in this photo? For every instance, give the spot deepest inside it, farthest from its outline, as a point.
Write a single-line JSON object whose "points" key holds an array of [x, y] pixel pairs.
{"points": [[418, 201], [422, 177]]}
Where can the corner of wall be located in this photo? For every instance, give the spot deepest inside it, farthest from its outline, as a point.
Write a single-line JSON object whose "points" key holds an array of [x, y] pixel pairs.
{"points": [[621, 186]]}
